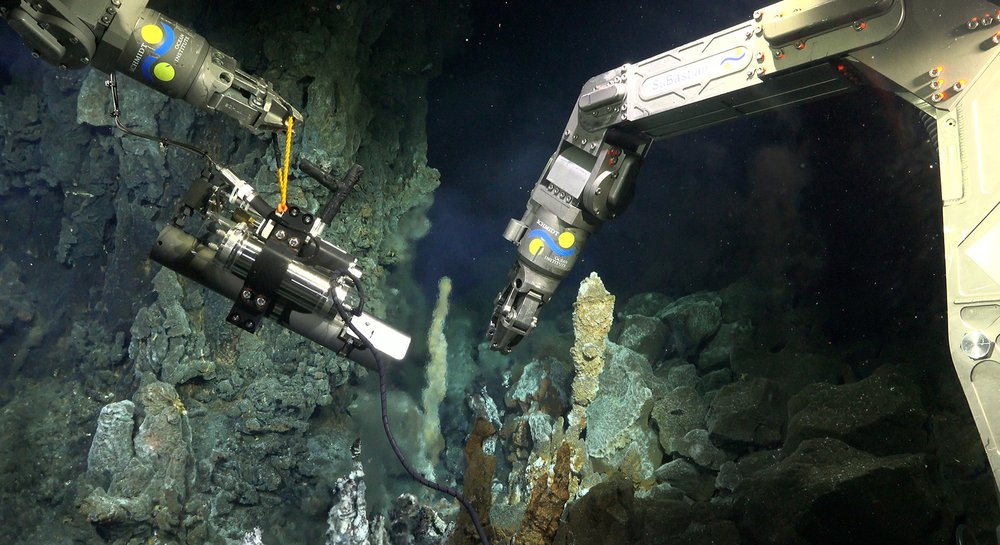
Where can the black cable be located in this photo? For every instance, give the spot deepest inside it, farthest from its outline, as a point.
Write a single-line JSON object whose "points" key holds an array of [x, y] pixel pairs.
{"points": [[112, 83], [383, 395]]}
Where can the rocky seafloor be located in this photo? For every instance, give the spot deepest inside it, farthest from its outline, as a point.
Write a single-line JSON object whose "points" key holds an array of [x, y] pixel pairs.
{"points": [[131, 414]]}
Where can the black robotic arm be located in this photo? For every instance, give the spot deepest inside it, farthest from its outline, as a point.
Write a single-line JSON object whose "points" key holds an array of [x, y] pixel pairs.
{"points": [[125, 36]]}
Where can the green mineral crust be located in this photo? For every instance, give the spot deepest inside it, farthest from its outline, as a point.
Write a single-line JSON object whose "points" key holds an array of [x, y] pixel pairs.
{"points": [[593, 313]]}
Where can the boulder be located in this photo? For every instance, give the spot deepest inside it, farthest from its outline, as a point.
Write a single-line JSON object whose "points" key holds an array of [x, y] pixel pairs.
{"points": [[732, 339], [697, 484], [748, 413], [792, 370], [697, 447], [827, 492], [644, 304], [881, 414], [692, 320], [645, 335], [675, 414]]}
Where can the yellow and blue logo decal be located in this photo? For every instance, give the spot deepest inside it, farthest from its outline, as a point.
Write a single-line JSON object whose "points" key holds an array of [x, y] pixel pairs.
{"points": [[161, 37], [562, 247], [726, 63]]}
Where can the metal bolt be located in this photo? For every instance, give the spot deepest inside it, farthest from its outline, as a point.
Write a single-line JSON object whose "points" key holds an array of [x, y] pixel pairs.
{"points": [[800, 46], [63, 67], [116, 3], [937, 97], [976, 345], [566, 132], [750, 74], [294, 211], [761, 71], [987, 20], [43, 25], [749, 34], [778, 54], [234, 317], [593, 146], [584, 141], [959, 86], [759, 31], [576, 137], [246, 294], [860, 25], [758, 15], [3, 10], [111, 11], [307, 219], [85, 60], [936, 84], [37, 6], [74, 40], [35, 54], [261, 302], [996, 38], [105, 19], [760, 56], [294, 242], [934, 72], [249, 324], [280, 235], [973, 24]]}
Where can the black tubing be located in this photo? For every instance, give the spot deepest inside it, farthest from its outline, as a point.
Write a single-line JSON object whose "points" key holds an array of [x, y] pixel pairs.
{"points": [[383, 396]]}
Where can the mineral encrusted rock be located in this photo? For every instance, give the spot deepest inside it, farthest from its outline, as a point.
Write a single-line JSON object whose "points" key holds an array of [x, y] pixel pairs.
{"points": [[153, 477], [548, 498], [347, 520], [477, 483], [112, 448], [411, 523], [593, 313], [618, 434]]}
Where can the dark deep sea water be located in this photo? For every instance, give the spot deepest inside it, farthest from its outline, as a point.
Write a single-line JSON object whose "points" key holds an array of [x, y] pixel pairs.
{"points": [[818, 225]]}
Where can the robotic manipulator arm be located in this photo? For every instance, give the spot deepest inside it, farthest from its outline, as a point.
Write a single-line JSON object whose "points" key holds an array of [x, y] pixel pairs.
{"points": [[941, 56], [125, 36]]}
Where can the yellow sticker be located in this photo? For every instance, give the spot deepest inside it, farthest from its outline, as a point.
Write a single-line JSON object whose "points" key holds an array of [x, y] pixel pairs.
{"points": [[566, 240], [163, 71], [535, 246], [152, 34]]}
